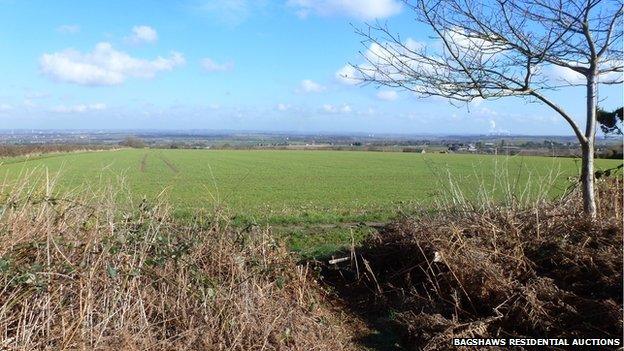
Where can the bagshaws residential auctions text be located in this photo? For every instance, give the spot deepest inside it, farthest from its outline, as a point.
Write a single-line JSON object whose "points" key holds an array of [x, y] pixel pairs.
{"points": [[535, 342]]}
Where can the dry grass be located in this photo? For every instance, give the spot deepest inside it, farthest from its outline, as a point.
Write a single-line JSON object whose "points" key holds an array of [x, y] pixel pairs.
{"points": [[489, 271], [89, 275]]}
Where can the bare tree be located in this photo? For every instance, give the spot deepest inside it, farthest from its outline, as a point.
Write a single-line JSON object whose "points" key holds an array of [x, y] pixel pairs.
{"points": [[491, 49]]}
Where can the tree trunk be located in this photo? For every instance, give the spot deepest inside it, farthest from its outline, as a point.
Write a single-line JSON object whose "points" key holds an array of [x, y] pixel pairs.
{"points": [[587, 165], [587, 179]]}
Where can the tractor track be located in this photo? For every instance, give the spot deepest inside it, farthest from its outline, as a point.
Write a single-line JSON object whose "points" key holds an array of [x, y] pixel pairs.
{"points": [[169, 164], [143, 164]]}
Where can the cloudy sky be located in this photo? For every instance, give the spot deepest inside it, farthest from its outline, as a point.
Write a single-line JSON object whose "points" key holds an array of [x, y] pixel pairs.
{"points": [[219, 64]]}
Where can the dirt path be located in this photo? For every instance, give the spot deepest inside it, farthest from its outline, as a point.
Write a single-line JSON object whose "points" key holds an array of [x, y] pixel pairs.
{"points": [[143, 163]]}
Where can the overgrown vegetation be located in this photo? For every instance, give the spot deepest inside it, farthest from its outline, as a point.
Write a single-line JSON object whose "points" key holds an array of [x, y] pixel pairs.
{"points": [[91, 275], [475, 269]]}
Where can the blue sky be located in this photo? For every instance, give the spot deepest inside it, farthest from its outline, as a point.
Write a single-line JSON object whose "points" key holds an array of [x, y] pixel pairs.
{"points": [[238, 64]]}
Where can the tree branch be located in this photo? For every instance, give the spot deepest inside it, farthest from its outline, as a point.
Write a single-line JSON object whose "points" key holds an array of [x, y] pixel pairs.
{"points": [[575, 127]]}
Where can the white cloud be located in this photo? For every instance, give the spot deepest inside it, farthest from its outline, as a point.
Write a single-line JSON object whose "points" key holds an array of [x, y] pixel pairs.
{"points": [[79, 108], [282, 107], [143, 34], [329, 108], [393, 54], [391, 59], [211, 66], [103, 66], [477, 101], [360, 9], [309, 86], [389, 62], [413, 45], [487, 112], [565, 76], [474, 48], [5, 107], [387, 95], [68, 29], [611, 77], [348, 75], [562, 75]]}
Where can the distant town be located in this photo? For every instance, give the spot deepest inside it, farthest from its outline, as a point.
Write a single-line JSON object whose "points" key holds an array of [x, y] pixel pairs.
{"points": [[562, 146]]}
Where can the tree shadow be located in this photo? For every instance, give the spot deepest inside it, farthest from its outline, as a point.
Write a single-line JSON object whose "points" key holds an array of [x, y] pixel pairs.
{"points": [[360, 301]]}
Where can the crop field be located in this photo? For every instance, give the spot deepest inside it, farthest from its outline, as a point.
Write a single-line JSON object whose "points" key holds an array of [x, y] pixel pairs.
{"points": [[318, 201], [286, 187]]}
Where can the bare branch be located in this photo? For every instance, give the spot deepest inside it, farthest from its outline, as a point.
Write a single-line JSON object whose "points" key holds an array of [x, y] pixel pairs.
{"points": [[497, 48], [568, 118]]}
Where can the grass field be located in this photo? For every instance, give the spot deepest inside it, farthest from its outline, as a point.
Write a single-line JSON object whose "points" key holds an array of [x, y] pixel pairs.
{"points": [[290, 187]]}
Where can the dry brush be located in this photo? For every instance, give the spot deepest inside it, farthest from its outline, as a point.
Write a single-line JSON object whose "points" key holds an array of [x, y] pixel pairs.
{"points": [[91, 275]]}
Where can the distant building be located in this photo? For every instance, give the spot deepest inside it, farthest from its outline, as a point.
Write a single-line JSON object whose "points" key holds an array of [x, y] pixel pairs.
{"points": [[461, 147]]}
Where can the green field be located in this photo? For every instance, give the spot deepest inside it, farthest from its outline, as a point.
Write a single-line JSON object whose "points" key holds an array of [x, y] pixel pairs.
{"points": [[291, 186]]}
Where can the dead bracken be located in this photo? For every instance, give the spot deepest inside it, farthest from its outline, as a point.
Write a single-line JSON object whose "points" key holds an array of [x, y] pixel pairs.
{"points": [[90, 275], [542, 272]]}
